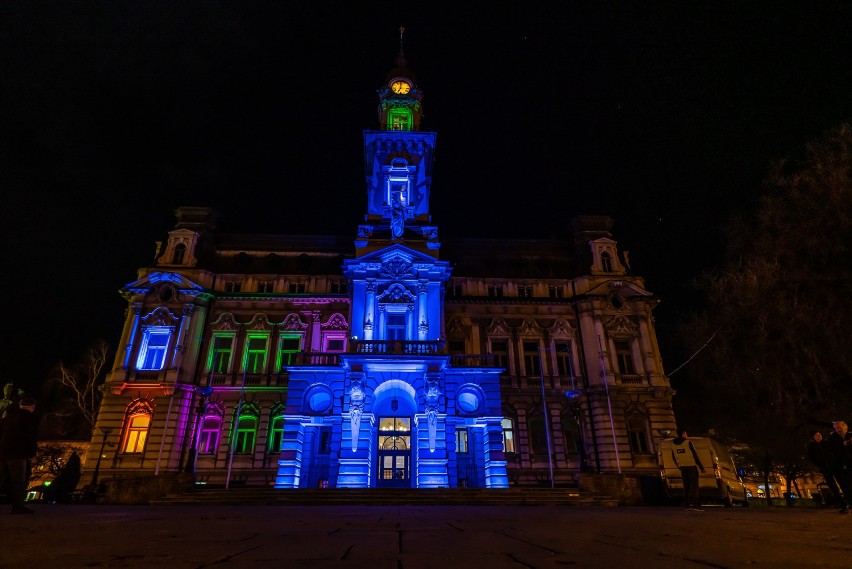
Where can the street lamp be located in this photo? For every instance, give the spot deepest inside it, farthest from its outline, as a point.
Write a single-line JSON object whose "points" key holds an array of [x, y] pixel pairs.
{"points": [[106, 431]]}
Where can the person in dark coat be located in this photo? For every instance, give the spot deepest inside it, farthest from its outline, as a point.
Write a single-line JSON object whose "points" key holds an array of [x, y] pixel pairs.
{"points": [[18, 445], [821, 456], [840, 448]]}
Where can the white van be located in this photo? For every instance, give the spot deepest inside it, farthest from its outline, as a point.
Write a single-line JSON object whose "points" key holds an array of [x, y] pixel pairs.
{"points": [[720, 482]]}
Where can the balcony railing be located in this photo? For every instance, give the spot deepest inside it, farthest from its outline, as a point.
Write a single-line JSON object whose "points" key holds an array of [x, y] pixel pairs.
{"points": [[398, 347], [317, 359]]}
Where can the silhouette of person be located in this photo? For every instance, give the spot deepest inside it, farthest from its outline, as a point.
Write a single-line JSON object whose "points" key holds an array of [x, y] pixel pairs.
{"points": [[18, 445]]}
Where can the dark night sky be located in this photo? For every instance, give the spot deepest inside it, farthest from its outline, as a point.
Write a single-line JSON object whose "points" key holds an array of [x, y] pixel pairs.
{"points": [[665, 115]]}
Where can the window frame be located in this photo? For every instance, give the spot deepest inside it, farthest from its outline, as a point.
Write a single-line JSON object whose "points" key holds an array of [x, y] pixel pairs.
{"points": [[135, 436], [147, 352]]}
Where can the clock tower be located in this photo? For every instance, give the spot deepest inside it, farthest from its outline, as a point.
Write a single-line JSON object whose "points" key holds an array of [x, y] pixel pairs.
{"points": [[398, 163]]}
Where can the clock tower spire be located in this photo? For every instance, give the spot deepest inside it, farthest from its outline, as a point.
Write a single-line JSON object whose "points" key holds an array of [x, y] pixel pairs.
{"points": [[398, 161]]}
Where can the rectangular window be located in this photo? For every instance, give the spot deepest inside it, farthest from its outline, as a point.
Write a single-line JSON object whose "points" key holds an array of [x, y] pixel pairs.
{"points": [[290, 346], [395, 328], [495, 291], [563, 359], [335, 345], [525, 291], [455, 346], [461, 440], [339, 288], [220, 355], [297, 288], [265, 286], [556, 292], [500, 350], [508, 436], [624, 355], [324, 441], [256, 354], [457, 290], [532, 363], [233, 286], [152, 353]]}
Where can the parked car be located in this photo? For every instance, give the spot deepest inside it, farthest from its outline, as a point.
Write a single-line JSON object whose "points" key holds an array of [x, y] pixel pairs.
{"points": [[720, 481]]}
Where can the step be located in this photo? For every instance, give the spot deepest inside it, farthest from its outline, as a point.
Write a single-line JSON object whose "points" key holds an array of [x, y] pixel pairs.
{"points": [[373, 496]]}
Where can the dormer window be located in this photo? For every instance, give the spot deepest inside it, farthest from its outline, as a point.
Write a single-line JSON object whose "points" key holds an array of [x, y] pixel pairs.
{"points": [[606, 262], [179, 254]]}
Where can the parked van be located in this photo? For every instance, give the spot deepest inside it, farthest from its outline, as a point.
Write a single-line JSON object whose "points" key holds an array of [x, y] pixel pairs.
{"points": [[720, 481]]}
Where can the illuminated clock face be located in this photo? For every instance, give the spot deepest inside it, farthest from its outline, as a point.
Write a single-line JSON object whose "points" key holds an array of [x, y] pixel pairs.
{"points": [[400, 87]]}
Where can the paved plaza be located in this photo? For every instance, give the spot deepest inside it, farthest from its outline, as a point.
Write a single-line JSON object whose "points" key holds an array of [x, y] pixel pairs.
{"points": [[423, 537]]}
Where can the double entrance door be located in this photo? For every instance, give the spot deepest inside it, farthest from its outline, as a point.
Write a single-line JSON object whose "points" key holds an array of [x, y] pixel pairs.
{"points": [[394, 446]]}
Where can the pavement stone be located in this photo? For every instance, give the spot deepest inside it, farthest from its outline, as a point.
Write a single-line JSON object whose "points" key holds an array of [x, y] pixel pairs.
{"points": [[422, 537]]}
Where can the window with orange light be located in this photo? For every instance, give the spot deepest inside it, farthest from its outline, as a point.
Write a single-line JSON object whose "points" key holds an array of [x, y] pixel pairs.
{"points": [[137, 432]]}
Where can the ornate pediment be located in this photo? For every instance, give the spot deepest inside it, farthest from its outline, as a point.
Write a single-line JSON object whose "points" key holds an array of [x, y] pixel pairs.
{"points": [[259, 322], [293, 322], [153, 281], [530, 327], [621, 326], [625, 288], [561, 329], [160, 317], [225, 322], [335, 322], [396, 294], [498, 327], [396, 267], [457, 328]]}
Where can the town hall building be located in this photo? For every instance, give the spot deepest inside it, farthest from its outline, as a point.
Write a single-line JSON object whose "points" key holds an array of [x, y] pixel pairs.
{"points": [[390, 359]]}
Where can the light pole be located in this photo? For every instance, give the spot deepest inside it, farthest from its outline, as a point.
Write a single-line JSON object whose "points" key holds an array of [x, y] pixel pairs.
{"points": [[203, 392], [544, 407], [106, 431], [574, 394]]}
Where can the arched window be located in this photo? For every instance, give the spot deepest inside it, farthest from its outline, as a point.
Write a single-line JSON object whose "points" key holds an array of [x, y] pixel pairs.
{"points": [[246, 434], [508, 435], [637, 431], [136, 433], [276, 434], [570, 436], [537, 435], [179, 254], [210, 430]]}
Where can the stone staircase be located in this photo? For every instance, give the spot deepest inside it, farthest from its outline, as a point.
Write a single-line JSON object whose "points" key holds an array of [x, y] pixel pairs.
{"points": [[265, 496]]}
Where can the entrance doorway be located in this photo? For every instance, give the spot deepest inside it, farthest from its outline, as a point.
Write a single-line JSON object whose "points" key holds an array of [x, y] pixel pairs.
{"points": [[394, 446]]}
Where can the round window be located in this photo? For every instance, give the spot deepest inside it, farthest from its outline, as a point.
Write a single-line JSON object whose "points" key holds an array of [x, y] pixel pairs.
{"points": [[468, 402], [319, 401]]}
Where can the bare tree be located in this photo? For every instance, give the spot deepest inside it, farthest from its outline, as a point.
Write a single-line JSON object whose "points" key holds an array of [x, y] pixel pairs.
{"points": [[779, 310], [82, 385]]}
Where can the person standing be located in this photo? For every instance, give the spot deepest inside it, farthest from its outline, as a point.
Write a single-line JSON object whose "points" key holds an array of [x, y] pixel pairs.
{"points": [[840, 449], [687, 460], [18, 445], [821, 456]]}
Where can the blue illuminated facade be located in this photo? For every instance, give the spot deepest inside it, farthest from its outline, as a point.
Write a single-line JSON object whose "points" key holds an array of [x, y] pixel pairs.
{"points": [[397, 410]]}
